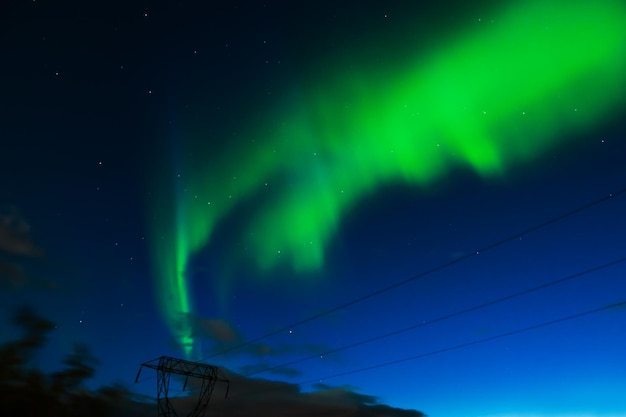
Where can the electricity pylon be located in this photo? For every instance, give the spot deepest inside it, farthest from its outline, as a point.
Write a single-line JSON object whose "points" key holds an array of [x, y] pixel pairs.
{"points": [[166, 366]]}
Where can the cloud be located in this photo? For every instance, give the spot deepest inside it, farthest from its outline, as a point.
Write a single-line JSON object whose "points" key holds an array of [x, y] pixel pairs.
{"points": [[267, 368], [216, 329], [15, 237], [12, 276], [262, 397], [17, 247], [225, 338]]}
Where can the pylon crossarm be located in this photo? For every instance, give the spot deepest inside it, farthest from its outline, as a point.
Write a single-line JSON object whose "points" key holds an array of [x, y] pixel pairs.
{"points": [[166, 366], [187, 368]]}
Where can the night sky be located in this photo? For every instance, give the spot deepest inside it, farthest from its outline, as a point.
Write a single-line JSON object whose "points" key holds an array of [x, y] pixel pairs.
{"points": [[388, 205]]}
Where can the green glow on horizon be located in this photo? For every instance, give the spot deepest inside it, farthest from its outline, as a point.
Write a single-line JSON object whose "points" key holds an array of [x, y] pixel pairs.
{"points": [[505, 92]]}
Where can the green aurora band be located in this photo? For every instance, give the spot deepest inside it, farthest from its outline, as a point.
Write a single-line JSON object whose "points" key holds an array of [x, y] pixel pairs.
{"points": [[505, 92]]}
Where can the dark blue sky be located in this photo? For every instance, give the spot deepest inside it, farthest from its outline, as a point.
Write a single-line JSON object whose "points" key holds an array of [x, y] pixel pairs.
{"points": [[97, 101]]}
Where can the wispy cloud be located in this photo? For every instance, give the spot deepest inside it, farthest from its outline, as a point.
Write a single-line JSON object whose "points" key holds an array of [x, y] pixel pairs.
{"points": [[16, 247], [15, 236], [224, 338], [218, 330], [267, 368]]}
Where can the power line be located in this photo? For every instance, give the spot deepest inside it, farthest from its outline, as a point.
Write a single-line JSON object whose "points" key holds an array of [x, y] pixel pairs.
{"points": [[447, 316], [424, 273], [472, 343], [476, 342]]}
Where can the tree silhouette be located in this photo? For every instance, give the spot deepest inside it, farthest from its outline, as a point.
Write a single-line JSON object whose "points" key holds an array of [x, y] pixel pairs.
{"points": [[27, 391]]}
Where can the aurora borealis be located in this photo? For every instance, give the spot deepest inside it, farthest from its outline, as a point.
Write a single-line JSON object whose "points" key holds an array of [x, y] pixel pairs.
{"points": [[489, 98], [355, 208]]}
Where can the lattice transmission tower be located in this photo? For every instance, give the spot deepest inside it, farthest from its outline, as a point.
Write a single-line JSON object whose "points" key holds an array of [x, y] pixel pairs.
{"points": [[165, 366]]}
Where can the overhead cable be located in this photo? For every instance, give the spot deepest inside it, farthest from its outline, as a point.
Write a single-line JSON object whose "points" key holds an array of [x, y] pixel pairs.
{"points": [[447, 316], [425, 273], [472, 343]]}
